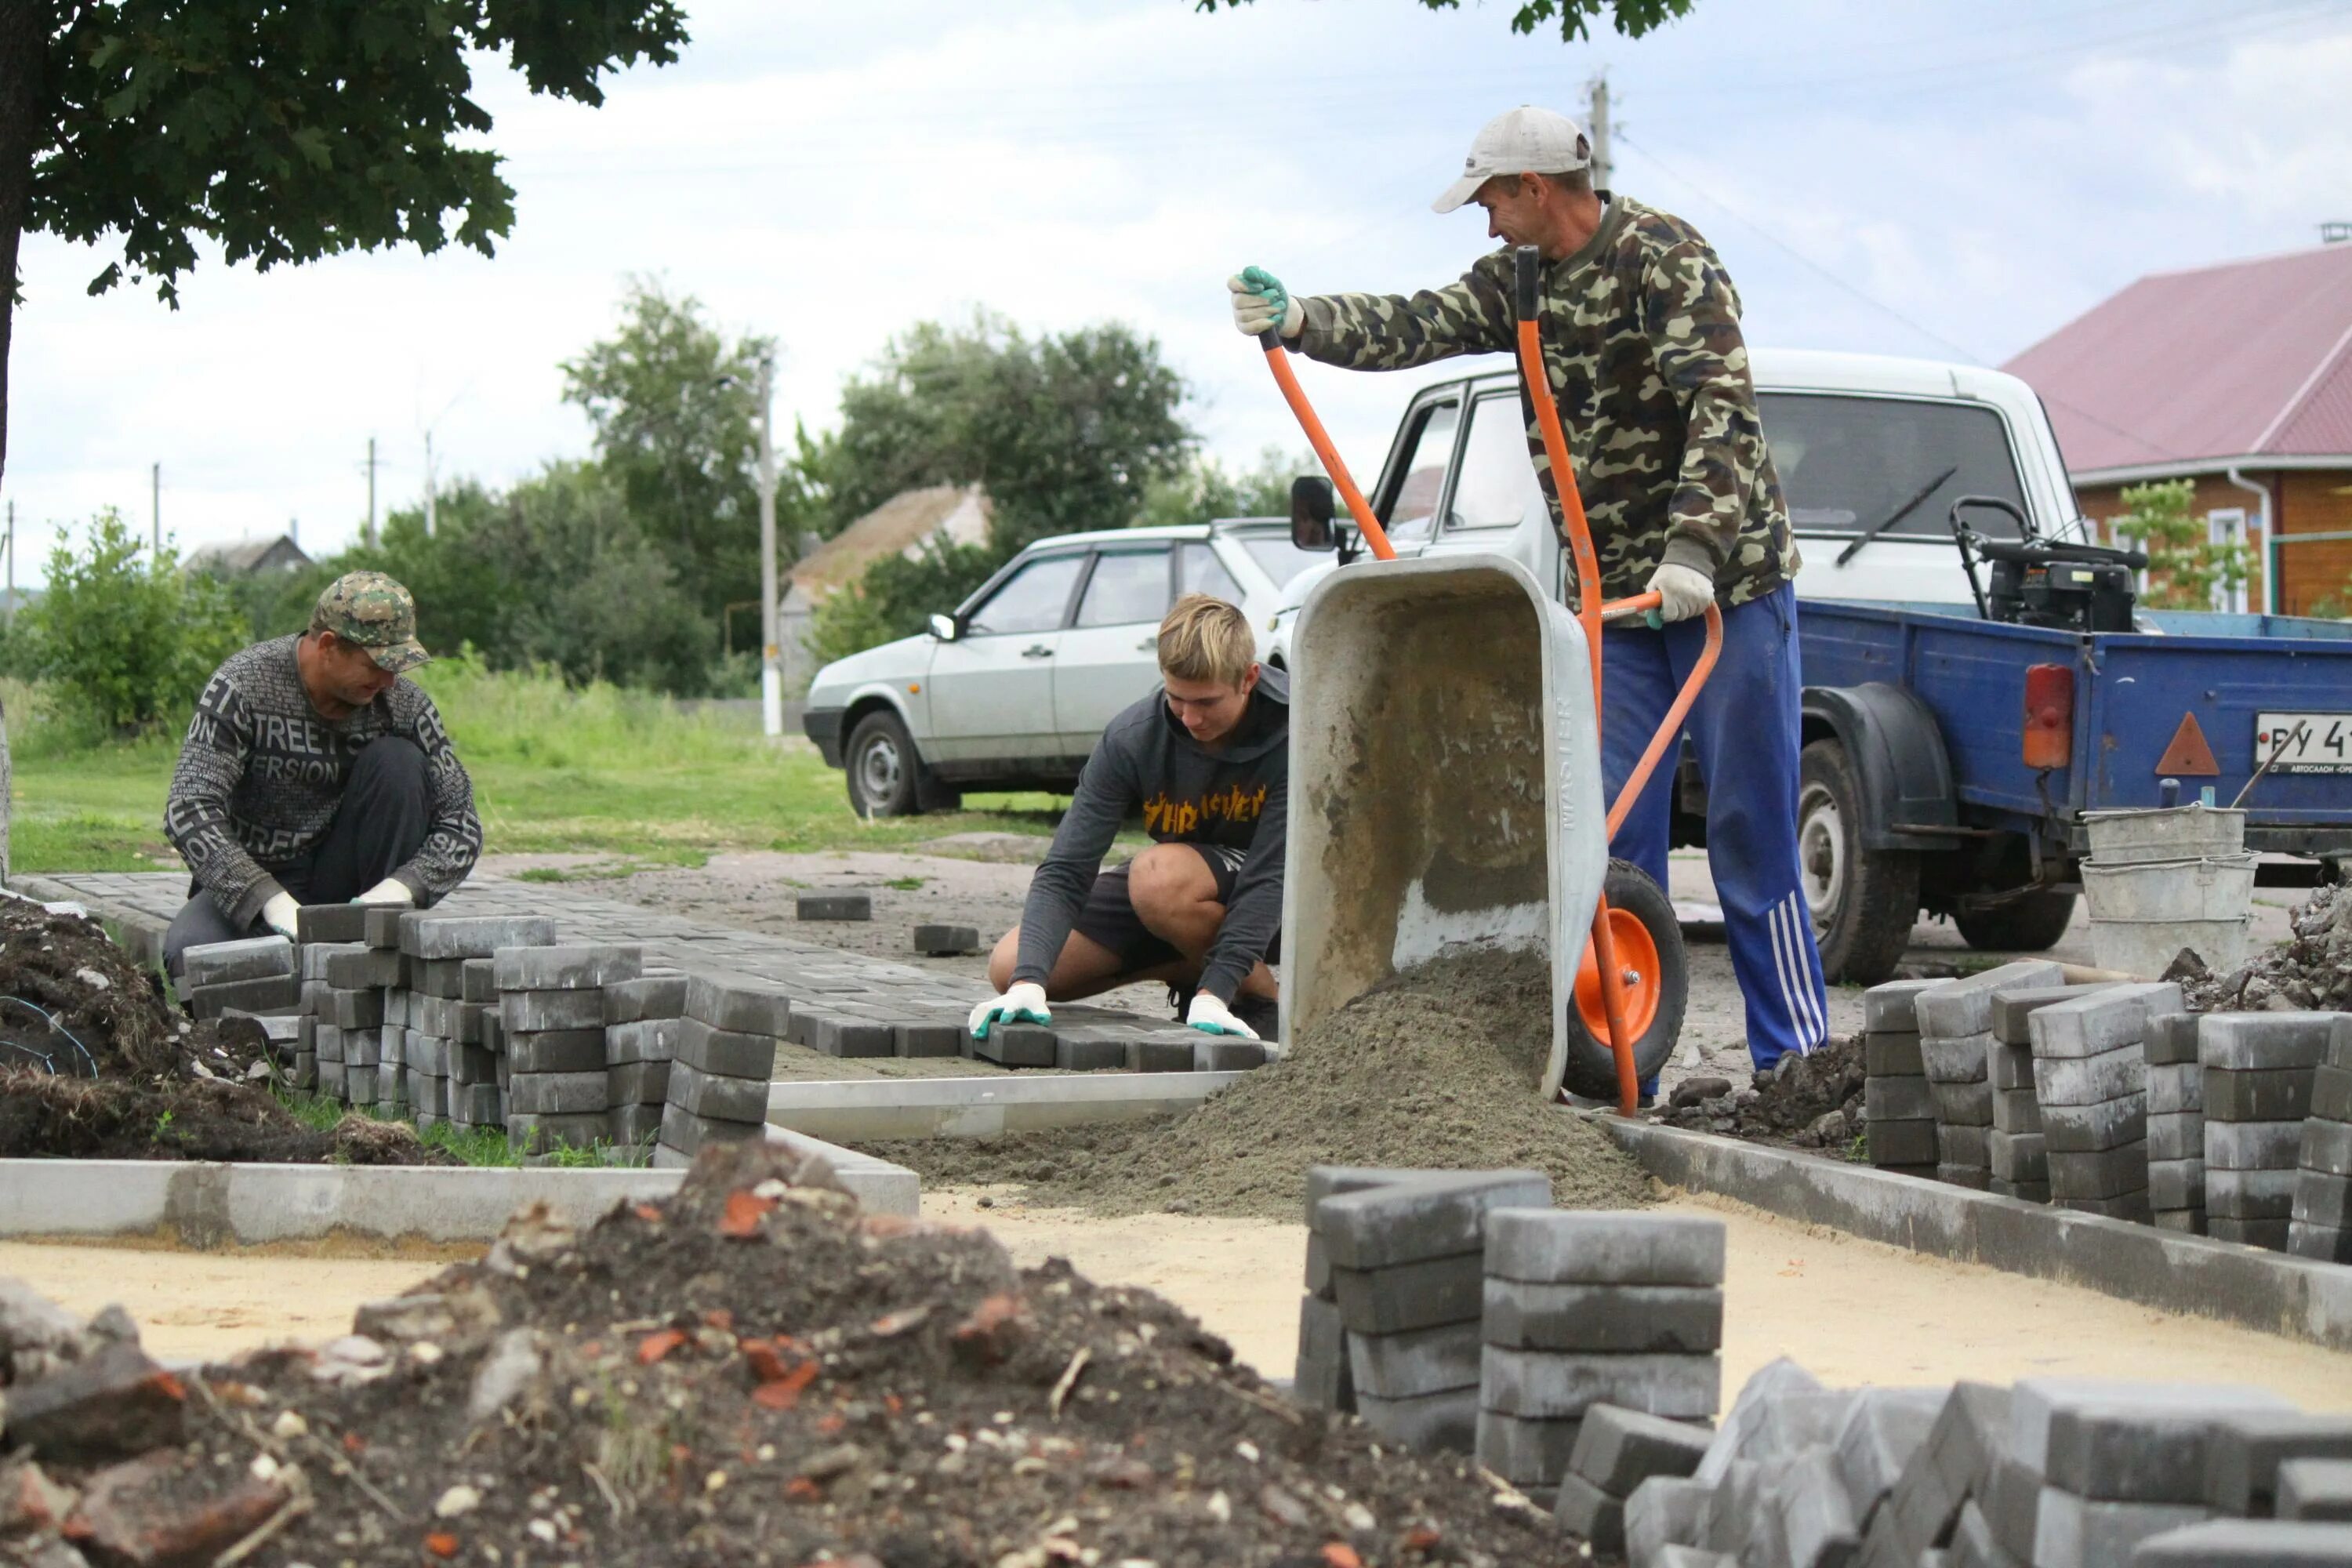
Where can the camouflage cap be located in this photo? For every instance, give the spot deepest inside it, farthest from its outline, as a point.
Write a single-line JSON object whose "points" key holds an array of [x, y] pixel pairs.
{"points": [[379, 614]]}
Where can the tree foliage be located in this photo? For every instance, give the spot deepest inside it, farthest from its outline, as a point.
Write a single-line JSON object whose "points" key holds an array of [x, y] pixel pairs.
{"points": [[1067, 432], [897, 597], [126, 641], [1205, 491], [1631, 18], [2188, 569], [282, 130], [675, 402]]}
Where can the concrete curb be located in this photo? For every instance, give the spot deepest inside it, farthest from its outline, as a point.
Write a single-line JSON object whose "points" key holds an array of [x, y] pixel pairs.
{"points": [[982, 1107], [207, 1206], [2193, 1274]]}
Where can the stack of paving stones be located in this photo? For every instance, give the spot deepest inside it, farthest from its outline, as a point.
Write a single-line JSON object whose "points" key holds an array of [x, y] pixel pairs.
{"points": [[1404, 1252], [427, 1020], [1587, 1308], [2258, 1070], [642, 1020], [2020, 1152], [2176, 1124], [1955, 1045], [2090, 1072], [551, 1018], [2055, 1473], [724, 1057], [1898, 1105], [252, 974], [2320, 1225]]}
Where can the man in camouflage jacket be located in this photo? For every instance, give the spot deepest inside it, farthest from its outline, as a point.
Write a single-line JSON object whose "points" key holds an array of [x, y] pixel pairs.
{"points": [[1642, 347], [313, 773]]}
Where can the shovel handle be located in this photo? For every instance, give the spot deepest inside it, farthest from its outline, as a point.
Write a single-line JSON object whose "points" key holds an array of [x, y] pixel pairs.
{"points": [[1277, 359]]}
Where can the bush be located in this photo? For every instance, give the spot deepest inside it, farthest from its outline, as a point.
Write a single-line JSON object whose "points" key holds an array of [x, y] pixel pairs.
{"points": [[897, 597], [126, 644], [2187, 569]]}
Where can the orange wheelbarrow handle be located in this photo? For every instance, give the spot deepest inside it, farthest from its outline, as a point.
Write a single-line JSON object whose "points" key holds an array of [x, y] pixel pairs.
{"points": [[1277, 359]]}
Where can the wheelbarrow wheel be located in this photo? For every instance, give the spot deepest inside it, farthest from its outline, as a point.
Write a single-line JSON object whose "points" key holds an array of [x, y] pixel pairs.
{"points": [[1649, 943]]}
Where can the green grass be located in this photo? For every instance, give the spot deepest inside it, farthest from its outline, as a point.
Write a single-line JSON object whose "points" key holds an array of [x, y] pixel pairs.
{"points": [[555, 770], [473, 1146]]}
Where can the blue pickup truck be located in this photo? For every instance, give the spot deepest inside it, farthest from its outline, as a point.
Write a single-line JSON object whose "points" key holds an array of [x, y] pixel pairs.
{"points": [[1979, 674]]}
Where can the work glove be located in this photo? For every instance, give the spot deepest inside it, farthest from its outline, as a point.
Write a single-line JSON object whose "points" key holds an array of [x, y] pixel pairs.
{"points": [[279, 914], [1260, 302], [1023, 1003], [1683, 592], [1212, 1016], [391, 890]]}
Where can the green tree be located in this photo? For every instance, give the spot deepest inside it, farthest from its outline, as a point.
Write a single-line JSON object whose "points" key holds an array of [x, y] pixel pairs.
{"points": [[674, 402], [282, 130], [2186, 567], [898, 596], [1067, 432], [126, 637], [1205, 491], [1631, 18]]}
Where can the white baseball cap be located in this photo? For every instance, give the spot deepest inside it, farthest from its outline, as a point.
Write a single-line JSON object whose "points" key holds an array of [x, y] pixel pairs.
{"points": [[1523, 140]]}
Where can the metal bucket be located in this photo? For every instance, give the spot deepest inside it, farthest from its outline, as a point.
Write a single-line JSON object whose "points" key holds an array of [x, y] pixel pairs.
{"points": [[1445, 782], [2143, 914], [2167, 832]]}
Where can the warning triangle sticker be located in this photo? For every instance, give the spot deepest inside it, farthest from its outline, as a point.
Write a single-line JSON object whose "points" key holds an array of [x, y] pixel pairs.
{"points": [[2188, 753]]}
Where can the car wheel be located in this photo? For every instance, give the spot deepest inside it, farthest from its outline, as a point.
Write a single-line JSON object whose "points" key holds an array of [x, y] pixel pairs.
{"points": [[1864, 903], [2030, 924], [885, 774]]}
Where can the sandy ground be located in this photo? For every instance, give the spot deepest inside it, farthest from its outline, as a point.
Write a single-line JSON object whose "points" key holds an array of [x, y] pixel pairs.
{"points": [[1851, 1312]]}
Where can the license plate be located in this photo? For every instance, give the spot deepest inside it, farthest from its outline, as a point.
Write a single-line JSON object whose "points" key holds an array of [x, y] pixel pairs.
{"points": [[2305, 742]]}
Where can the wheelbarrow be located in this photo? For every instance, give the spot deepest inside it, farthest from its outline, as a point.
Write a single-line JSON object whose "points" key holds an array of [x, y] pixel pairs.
{"points": [[1446, 779]]}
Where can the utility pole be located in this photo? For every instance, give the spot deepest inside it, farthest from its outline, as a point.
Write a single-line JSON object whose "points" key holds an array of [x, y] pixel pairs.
{"points": [[429, 486], [371, 474], [1599, 130], [772, 671], [12, 564], [155, 504]]}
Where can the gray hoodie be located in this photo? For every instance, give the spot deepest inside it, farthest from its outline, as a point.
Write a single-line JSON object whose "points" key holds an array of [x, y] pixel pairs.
{"points": [[1148, 765]]}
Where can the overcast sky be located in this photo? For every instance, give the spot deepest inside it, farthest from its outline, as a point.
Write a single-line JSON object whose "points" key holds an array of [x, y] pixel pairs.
{"points": [[1950, 180]]}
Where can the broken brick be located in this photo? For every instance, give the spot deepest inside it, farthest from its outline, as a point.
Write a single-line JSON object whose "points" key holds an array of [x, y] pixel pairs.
{"points": [[108, 1406], [995, 1327], [30, 1502], [142, 1514], [658, 1344], [745, 1210]]}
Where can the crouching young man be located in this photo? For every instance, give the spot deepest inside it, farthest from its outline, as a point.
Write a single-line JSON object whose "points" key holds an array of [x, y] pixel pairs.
{"points": [[1204, 761]]}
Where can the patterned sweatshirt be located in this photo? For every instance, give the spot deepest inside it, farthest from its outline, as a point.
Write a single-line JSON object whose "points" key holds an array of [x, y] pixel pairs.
{"points": [[261, 773], [1641, 332]]}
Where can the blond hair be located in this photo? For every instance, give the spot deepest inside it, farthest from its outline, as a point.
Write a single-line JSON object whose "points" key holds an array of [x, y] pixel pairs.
{"points": [[1205, 638]]}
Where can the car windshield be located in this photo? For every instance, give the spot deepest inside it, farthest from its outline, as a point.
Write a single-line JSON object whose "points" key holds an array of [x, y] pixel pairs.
{"points": [[1847, 464], [1279, 558]]}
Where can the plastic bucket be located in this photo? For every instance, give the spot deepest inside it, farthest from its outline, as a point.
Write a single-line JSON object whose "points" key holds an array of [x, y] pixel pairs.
{"points": [[2147, 948], [2168, 833], [1445, 782]]}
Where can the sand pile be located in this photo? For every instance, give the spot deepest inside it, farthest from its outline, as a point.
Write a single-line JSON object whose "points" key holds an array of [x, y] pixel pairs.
{"points": [[750, 1372], [1438, 1068]]}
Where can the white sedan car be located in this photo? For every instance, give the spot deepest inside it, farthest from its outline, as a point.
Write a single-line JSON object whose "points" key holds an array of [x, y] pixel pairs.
{"points": [[1013, 691]]}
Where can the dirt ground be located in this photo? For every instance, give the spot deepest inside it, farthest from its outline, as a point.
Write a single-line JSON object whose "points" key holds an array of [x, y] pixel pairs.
{"points": [[1850, 1311]]}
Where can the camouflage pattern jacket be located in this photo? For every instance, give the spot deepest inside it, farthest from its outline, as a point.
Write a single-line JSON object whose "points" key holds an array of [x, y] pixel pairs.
{"points": [[1641, 332], [261, 773]]}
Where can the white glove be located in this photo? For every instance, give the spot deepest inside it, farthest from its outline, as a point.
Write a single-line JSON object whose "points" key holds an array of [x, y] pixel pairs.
{"points": [[279, 914], [1683, 592], [1260, 300], [1025, 1003], [1212, 1016], [391, 890]]}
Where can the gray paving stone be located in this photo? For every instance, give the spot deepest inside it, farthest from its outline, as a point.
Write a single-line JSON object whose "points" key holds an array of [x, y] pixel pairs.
{"points": [[714, 1098], [1571, 1246], [2175, 1183], [383, 925], [685, 1131], [1893, 1056], [1016, 1046], [2322, 1200], [1160, 1055], [1322, 1383], [2010, 1067], [2179, 1137], [1330, 1181], [1964, 1145], [338, 923], [644, 1040], [2171, 1040], [2339, 1041], [649, 996], [478, 936], [2264, 1039], [1954, 1463], [445, 1015], [1901, 1142], [725, 1052], [2186, 1222], [2252, 1145], [1429, 1423], [558, 1094], [522, 1012], [1963, 1104], [1224, 1053], [2248, 1543], [1883, 1430], [1897, 1099], [1591, 1515], [2315, 1489], [2331, 1093], [1414, 1362], [2270, 1234], [271, 992], [1525, 1453], [568, 966], [1320, 1335], [2018, 1157], [2016, 1112], [1625, 1319], [225, 963], [839, 1035], [637, 1083], [833, 906], [1408, 1295], [2074, 1532], [557, 1051], [474, 1064], [427, 1053], [2142, 1443], [2094, 1129], [2260, 1094], [1617, 1449], [1890, 1007], [478, 980], [1964, 1007], [2087, 1080], [2012, 1506], [1433, 1215], [2105, 1174], [356, 1009], [1955, 1060], [739, 1004], [2010, 1009], [945, 941], [1815, 1517], [1545, 1385], [442, 977], [944, 1038], [2177, 1089], [428, 1093], [2105, 1020], [1663, 1515], [2327, 1147]]}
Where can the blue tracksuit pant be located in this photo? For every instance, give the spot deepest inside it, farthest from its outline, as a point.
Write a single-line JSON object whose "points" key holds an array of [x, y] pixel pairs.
{"points": [[1745, 726]]}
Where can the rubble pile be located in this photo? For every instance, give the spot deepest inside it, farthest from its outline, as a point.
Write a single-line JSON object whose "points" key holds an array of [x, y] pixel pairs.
{"points": [[1813, 1102], [750, 1372], [95, 1063], [2311, 971]]}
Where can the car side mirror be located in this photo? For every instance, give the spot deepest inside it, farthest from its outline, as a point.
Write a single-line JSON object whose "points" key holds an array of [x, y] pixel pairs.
{"points": [[1311, 512], [944, 628]]}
